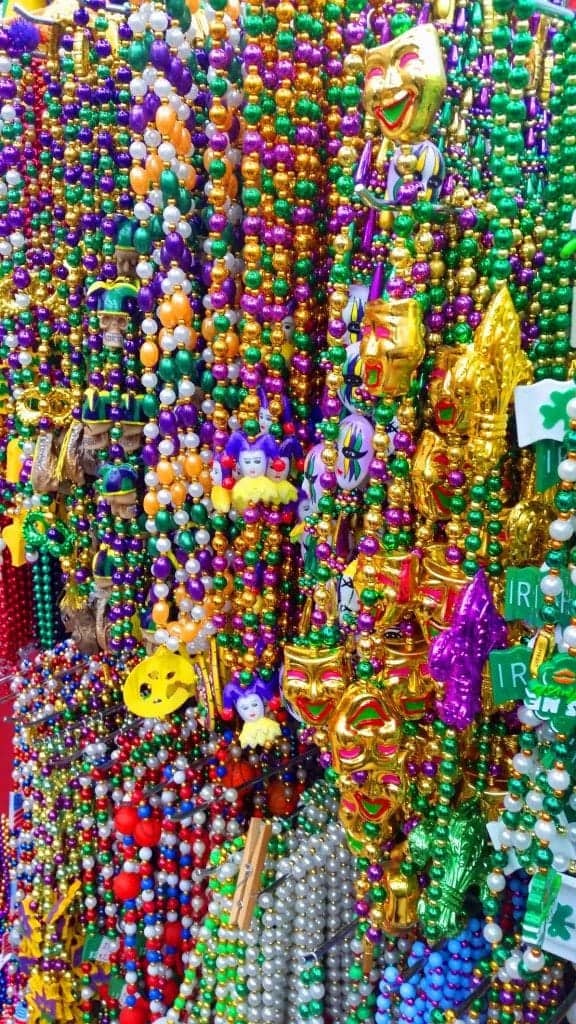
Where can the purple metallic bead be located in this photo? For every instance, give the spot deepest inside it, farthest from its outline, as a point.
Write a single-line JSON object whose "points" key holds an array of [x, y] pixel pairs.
{"points": [[253, 54], [186, 416], [219, 438], [331, 406], [162, 568], [250, 377], [206, 433], [195, 589], [365, 622], [394, 517], [369, 546], [167, 422], [149, 455], [205, 559], [328, 480], [420, 272], [435, 321], [150, 104], [402, 441], [137, 119], [463, 305]]}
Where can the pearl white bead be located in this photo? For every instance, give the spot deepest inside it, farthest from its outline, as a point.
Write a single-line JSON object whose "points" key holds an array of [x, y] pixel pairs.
{"points": [[567, 470], [523, 764], [558, 779], [545, 830], [533, 961], [512, 804], [534, 800], [522, 840], [512, 964], [561, 529], [492, 932], [551, 586], [167, 395], [496, 881]]}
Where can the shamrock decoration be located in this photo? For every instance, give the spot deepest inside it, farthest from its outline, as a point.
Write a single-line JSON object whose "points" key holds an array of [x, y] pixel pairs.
{"points": [[555, 412], [552, 695], [542, 894], [561, 927]]}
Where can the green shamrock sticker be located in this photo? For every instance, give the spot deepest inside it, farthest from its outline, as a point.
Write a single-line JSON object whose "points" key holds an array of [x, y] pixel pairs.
{"points": [[555, 411], [542, 894], [561, 926], [552, 695]]}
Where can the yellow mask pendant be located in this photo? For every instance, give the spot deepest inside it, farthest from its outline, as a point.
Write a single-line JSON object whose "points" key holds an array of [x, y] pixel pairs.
{"points": [[159, 685]]}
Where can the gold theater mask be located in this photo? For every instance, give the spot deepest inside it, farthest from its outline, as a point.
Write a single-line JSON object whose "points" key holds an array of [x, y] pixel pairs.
{"points": [[405, 84], [408, 688], [314, 682], [392, 346], [395, 578], [373, 801], [430, 469], [364, 734]]}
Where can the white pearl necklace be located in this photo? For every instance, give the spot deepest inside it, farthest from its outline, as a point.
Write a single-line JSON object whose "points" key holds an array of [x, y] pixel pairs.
{"points": [[309, 906]]}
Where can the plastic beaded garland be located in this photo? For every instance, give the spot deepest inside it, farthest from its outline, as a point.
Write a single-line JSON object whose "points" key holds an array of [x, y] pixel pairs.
{"points": [[287, 467]]}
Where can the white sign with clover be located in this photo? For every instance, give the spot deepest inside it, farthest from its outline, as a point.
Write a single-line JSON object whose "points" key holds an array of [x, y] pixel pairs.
{"points": [[560, 934], [543, 410]]}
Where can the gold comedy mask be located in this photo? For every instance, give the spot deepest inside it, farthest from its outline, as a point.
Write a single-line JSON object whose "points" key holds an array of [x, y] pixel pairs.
{"points": [[314, 682], [392, 345], [405, 84]]}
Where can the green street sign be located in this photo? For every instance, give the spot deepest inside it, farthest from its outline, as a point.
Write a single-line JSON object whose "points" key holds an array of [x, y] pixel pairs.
{"points": [[523, 598], [547, 458], [509, 673]]}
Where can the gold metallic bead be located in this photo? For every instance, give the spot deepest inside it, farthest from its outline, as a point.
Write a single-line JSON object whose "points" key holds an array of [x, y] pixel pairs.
{"points": [[333, 39], [284, 98], [253, 83], [466, 277], [285, 11], [353, 64], [373, 521]]}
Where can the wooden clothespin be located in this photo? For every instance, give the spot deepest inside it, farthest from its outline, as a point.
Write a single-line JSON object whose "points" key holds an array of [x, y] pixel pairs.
{"points": [[213, 675], [367, 956], [248, 885]]}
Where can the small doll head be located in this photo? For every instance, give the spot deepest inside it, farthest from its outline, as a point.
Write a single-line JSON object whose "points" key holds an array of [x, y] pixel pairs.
{"points": [[251, 457], [249, 701]]}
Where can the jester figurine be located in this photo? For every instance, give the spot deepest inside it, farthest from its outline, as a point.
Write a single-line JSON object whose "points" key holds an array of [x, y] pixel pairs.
{"points": [[249, 702], [115, 306], [253, 469], [126, 249]]}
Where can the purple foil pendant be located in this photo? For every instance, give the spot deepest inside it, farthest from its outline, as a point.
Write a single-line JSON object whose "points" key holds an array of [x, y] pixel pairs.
{"points": [[457, 657]]}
